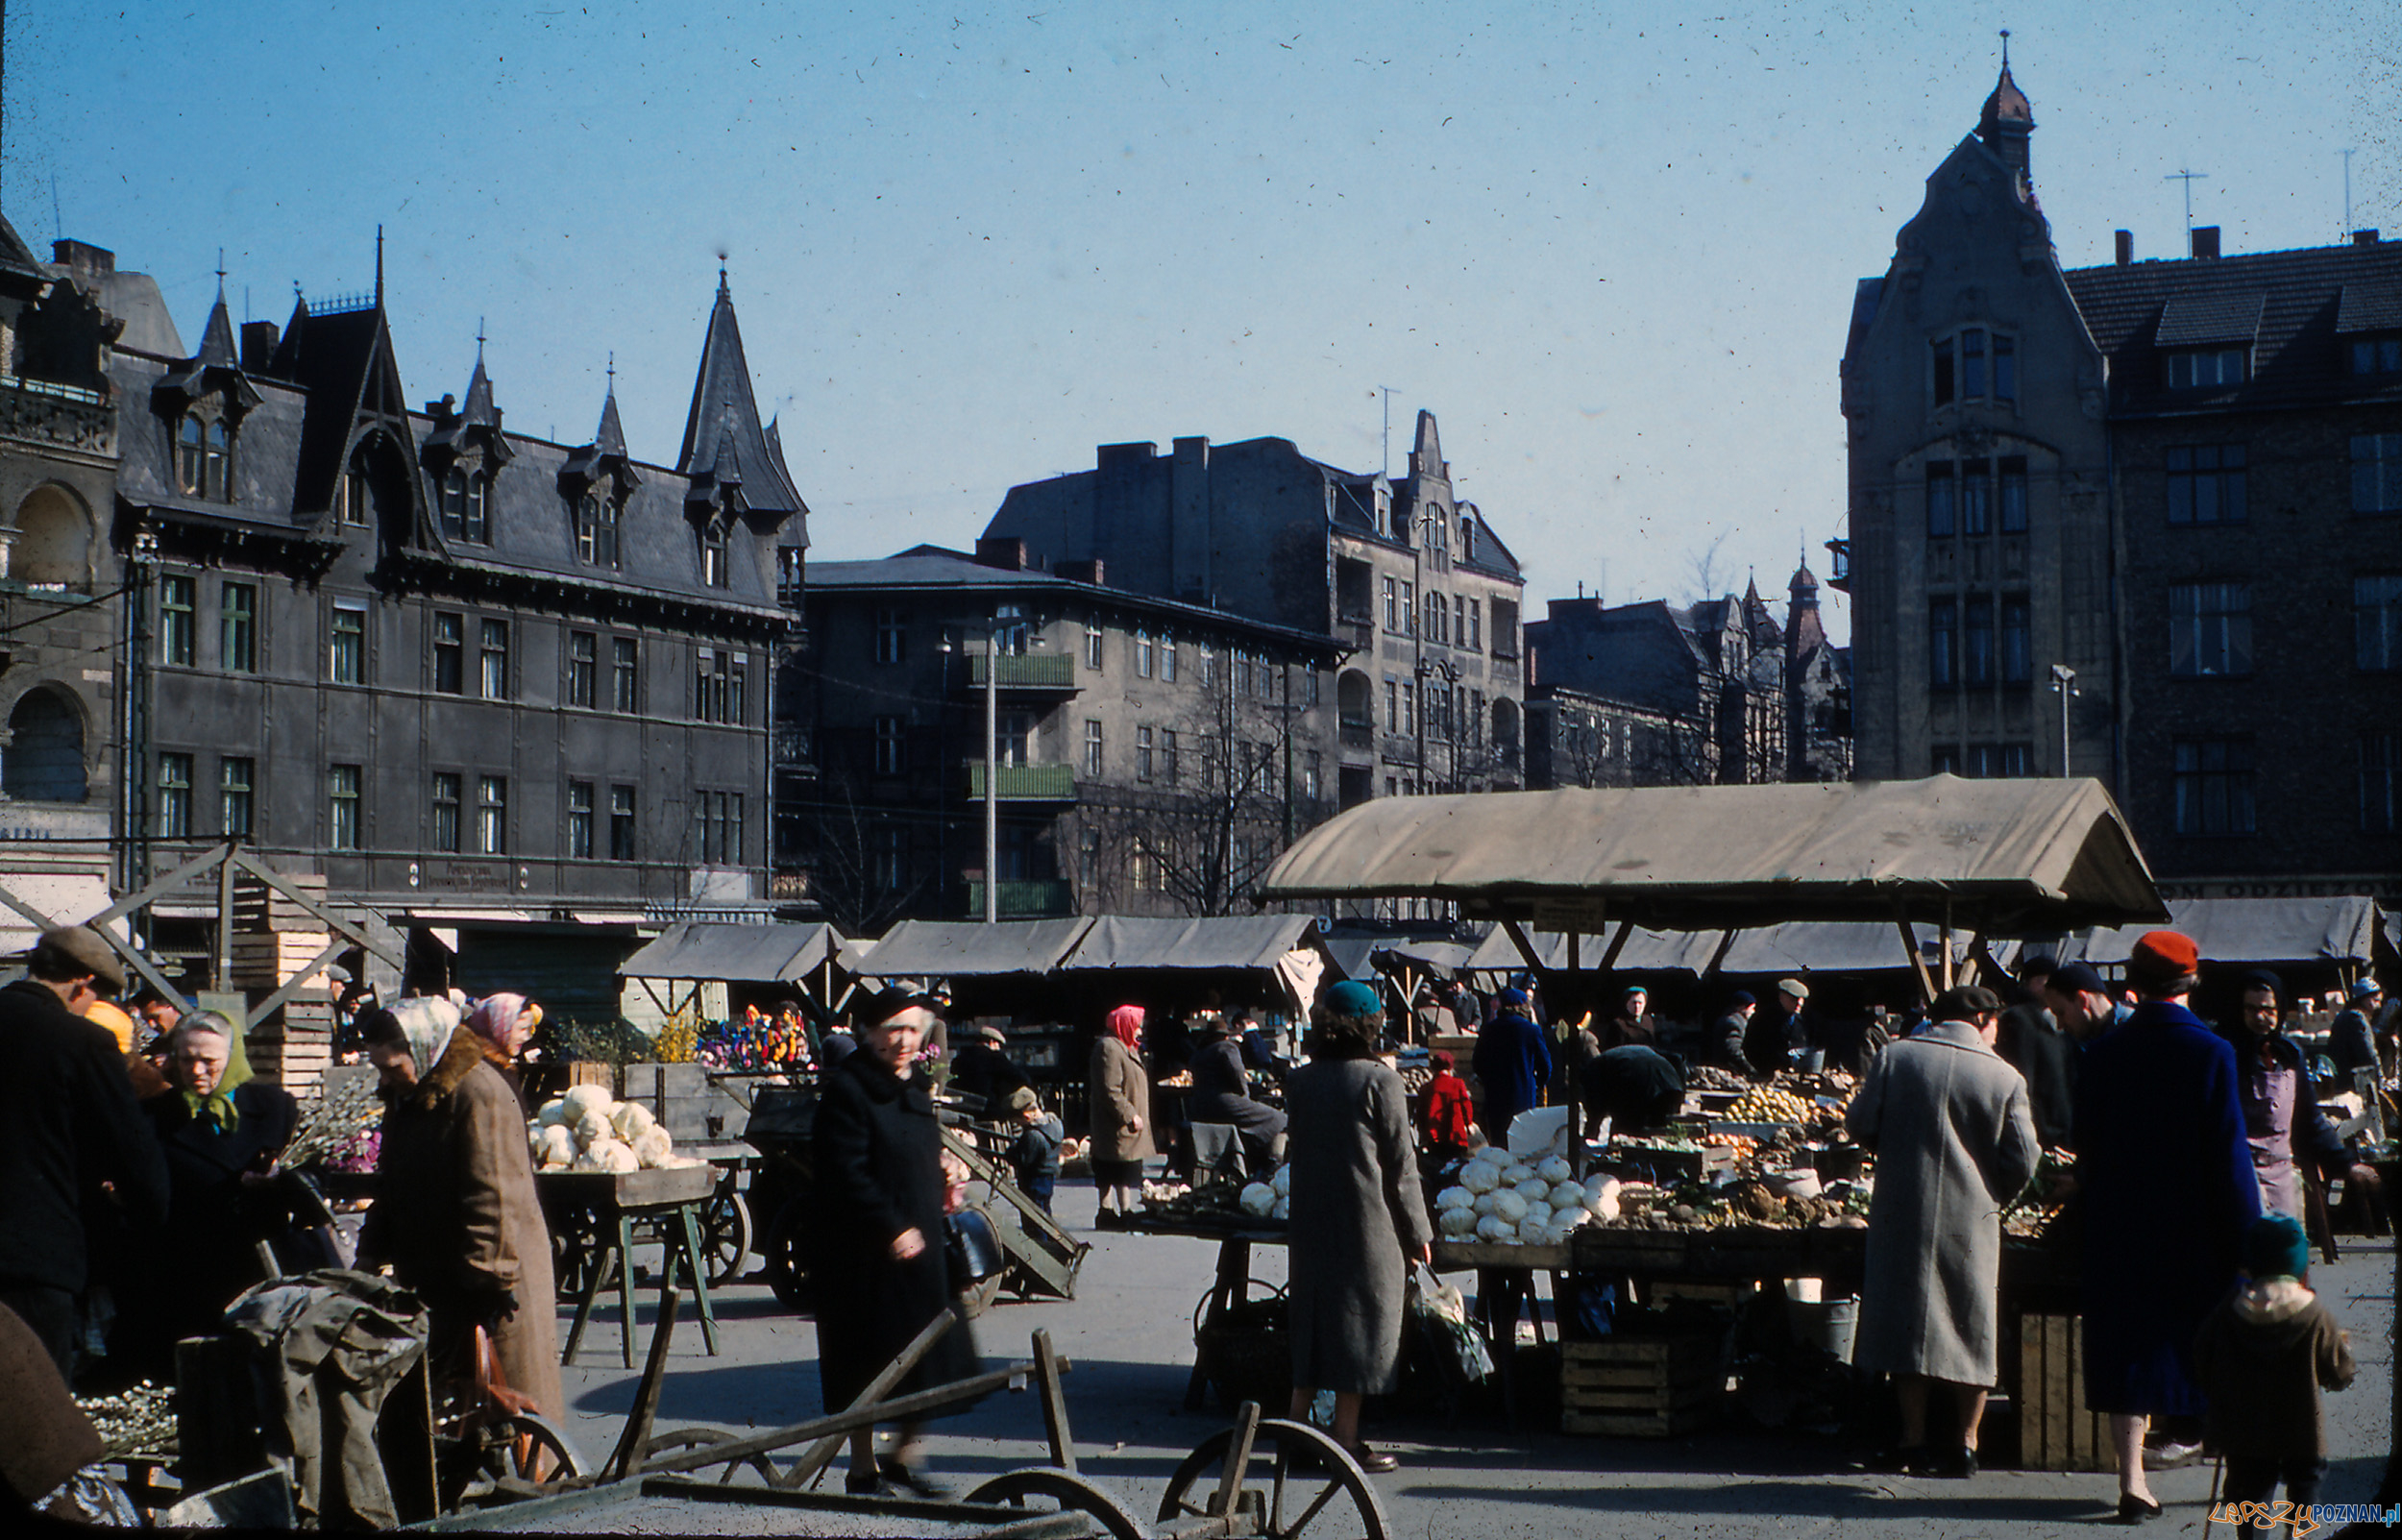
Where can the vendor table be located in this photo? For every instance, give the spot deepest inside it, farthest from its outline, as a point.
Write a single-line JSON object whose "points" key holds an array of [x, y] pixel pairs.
{"points": [[602, 1211]]}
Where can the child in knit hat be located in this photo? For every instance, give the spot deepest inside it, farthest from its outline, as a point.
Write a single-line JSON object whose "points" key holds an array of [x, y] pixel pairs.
{"points": [[2261, 1356]]}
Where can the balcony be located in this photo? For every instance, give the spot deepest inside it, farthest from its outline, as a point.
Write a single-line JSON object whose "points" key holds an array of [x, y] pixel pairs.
{"points": [[1026, 783], [1359, 732], [1028, 671], [1039, 898], [57, 416]]}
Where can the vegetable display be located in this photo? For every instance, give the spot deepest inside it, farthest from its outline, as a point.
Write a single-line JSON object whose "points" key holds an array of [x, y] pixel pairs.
{"points": [[587, 1130]]}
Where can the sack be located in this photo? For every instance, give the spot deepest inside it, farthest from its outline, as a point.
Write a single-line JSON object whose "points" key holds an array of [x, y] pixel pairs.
{"points": [[1441, 1312]]}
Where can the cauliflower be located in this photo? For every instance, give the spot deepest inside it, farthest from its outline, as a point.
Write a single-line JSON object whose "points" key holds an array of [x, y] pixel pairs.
{"points": [[631, 1120], [1567, 1195], [1455, 1198], [1493, 1227], [1282, 1208], [1555, 1169], [1456, 1221], [556, 1146], [617, 1158], [1534, 1189], [1480, 1176], [1282, 1180], [1530, 1231], [1257, 1199], [1508, 1205], [1515, 1172], [652, 1146], [582, 1099], [593, 1129], [1483, 1204], [553, 1111]]}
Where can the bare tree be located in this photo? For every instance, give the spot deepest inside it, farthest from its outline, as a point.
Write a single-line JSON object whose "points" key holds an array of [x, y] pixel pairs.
{"points": [[1706, 570], [858, 883]]}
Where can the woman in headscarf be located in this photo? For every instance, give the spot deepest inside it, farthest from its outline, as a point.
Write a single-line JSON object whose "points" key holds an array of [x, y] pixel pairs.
{"points": [[456, 1210], [1121, 1116], [1359, 1217], [876, 1246]]}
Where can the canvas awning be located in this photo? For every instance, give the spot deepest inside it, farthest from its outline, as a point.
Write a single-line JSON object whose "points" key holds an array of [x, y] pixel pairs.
{"points": [[2256, 931], [736, 954], [1647, 951], [1992, 855], [1256, 941], [961, 949], [1832, 947]]}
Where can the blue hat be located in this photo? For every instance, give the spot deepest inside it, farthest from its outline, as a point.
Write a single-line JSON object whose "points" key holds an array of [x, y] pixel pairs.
{"points": [[2276, 1247], [1352, 998], [2364, 987], [2077, 978], [1512, 997], [1740, 997]]}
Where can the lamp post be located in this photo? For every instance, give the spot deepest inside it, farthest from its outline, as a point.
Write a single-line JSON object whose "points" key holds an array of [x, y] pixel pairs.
{"points": [[1005, 620], [2064, 685]]}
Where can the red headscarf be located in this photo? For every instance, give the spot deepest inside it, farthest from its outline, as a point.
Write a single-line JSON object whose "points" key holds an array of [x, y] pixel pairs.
{"points": [[1127, 1025]]}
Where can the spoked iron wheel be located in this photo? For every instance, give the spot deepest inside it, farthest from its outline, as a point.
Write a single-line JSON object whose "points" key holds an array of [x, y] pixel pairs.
{"points": [[725, 1237], [1300, 1482], [677, 1440], [528, 1447], [1047, 1489]]}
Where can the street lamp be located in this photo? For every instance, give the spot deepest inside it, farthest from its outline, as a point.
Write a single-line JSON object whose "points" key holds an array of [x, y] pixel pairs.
{"points": [[1005, 620], [2064, 685]]}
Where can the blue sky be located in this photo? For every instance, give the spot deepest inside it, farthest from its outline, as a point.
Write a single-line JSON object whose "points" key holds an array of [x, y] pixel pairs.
{"points": [[1611, 247]]}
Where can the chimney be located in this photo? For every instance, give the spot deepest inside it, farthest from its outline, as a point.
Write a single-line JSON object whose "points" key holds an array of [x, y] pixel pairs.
{"points": [[259, 340], [1007, 553], [2205, 241], [88, 261], [2364, 237], [1080, 571], [2126, 247]]}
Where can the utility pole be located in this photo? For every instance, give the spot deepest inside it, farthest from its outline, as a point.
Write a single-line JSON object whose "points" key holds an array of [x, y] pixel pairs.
{"points": [[992, 771]]}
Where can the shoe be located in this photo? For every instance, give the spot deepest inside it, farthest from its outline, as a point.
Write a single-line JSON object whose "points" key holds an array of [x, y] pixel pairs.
{"points": [[1951, 1465], [913, 1478], [2167, 1456], [870, 1483], [1902, 1459], [1109, 1219], [2133, 1510], [1372, 1460]]}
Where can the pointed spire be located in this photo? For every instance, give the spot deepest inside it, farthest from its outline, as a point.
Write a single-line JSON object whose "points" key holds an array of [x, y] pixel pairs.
{"points": [[479, 411], [611, 440], [378, 267], [217, 349], [723, 437]]}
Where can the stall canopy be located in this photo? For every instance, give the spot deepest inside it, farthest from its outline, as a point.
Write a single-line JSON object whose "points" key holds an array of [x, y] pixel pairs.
{"points": [[1992, 855], [2255, 930], [1231, 941], [738, 954], [1830, 946], [1647, 951], [956, 949]]}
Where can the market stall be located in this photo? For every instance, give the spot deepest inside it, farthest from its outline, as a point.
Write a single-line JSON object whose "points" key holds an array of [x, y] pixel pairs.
{"points": [[762, 962]]}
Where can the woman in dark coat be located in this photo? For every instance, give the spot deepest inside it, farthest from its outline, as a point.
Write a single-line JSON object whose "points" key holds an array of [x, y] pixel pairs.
{"points": [[1358, 1218], [876, 1253], [1221, 1093]]}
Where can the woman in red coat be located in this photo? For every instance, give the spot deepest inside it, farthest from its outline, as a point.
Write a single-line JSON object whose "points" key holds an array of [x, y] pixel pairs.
{"points": [[1449, 1117]]}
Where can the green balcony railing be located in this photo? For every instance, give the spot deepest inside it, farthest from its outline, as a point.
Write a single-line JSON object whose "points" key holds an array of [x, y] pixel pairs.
{"points": [[1029, 670], [1043, 898], [1027, 783]]}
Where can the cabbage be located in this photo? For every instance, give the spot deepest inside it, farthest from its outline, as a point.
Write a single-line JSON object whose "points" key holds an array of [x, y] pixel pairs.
{"points": [[553, 1110], [1530, 1232], [556, 1146], [1600, 1197], [617, 1157], [1456, 1221], [1483, 1204], [1480, 1176], [1493, 1227], [652, 1146], [1515, 1172], [1282, 1208], [1257, 1199], [631, 1120], [593, 1129], [1455, 1198], [1567, 1195], [1282, 1180], [1537, 1213], [1534, 1189], [1509, 1206], [1555, 1169], [582, 1099]]}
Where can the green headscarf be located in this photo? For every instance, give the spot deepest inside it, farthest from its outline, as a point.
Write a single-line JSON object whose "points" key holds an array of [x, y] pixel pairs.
{"points": [[217, 1107]]}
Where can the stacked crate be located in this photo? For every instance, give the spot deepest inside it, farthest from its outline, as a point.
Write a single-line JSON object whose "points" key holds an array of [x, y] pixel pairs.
{"points": [[1639, 1387], [2057, 1432], [274, 938], [683, 1099]]}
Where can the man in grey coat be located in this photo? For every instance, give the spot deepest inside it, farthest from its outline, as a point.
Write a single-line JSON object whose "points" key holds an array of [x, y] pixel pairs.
{"points": [[1948, 1120]]}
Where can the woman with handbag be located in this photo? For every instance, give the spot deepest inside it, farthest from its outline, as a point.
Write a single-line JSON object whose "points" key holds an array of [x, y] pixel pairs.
{"points": [[1359, 1217]]}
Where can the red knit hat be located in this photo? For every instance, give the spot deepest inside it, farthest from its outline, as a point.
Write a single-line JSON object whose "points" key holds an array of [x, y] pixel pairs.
{"points": [[2165, 954]]}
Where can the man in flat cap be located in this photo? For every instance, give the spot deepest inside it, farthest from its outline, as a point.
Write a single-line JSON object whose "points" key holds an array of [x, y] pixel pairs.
{"points": [[68, 1124]]}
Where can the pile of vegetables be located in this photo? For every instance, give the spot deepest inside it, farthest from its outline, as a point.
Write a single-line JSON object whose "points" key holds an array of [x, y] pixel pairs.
{"points": [[587, 1130], [138, 1420], [1502, 1201], [1271, 1199], [1766, 1104]]}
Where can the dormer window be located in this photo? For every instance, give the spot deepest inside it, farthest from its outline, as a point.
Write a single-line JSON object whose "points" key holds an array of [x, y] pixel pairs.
{"points": [[204, 457], [465, 498], [2203, 368], [713, 569], [2377, 356], [595, 531], [1975, 363]]}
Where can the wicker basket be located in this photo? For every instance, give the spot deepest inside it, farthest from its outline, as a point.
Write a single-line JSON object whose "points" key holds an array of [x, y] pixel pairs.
{"points": [[1248, 1351]]}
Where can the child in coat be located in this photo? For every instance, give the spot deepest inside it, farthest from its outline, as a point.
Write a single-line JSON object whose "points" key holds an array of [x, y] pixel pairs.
{"points": [[2261, 1357], [1034, 1156]]}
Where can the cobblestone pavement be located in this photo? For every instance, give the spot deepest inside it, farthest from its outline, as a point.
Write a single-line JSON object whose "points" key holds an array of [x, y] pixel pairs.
{"points": [[1129, 1336]]}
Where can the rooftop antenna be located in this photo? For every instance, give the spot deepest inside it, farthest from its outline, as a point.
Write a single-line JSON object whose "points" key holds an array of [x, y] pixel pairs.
{"points": [[612, 371], [2188, 178], [2348, 190]]}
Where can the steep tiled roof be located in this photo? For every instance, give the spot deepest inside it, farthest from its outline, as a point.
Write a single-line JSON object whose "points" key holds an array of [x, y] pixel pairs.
{"points": [[723, 437], [2297, 359]]}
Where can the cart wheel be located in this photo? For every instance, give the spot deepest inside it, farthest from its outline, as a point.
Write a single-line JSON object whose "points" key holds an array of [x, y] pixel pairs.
{"points": [[681, 1438], [532, 1447], [1312, 1485], [1047, 1489], [725, 1237], [788, 1274]]}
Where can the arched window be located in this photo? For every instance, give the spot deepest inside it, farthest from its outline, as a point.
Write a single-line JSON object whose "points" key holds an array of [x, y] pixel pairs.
{"points": [[191, 462], [45, 760], [217, 462], [1354, 701], [53, 539], [713, 555]]}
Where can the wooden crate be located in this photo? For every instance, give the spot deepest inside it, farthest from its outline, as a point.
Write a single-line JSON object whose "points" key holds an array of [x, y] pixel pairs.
{"points": [[265, 961], [2056, 1431], [257, 907], [1638, 1387]]}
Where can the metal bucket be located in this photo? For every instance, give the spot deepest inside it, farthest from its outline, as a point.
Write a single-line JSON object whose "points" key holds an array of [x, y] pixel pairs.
{"points": [[1828, 1325]]}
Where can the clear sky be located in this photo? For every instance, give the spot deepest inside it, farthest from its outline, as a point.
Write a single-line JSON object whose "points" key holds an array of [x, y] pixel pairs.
{"points": [[1612, 246]]}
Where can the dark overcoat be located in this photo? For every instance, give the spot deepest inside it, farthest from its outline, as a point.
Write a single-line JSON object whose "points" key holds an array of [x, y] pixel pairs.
{"points": [[1356, 1210], [1221, 1094], [879, 1172], [209, 1248], [68, 1122], [2165, 1182]]}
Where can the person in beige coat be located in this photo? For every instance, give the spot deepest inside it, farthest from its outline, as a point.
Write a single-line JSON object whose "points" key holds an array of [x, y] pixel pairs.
{"points": [[1121, 1116], [456, 1213]]}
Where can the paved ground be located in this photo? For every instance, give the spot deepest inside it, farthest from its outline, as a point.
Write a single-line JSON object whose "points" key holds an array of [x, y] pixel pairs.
{"points": [[1129, 1336]]}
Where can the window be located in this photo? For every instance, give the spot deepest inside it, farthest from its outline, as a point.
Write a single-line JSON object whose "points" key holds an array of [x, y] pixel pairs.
{"points": [[342, 798], [2377, 473], [1312, 769], [2205, 367], [583, 669], [190, 473], [626, 674], [1410, 707], [2377, 356], [175, 796], [1167, 658], [2210, 630], [1087, 855], [1504, 627], [892, 858], [452, 507], [713, 554], [2377, 623], [2381, 783], [2017, 650], [718, 817], [1143, 747], [718, 685], [2005, 368], [492, 814], [1940, 501], [580, 821], [1093, 748], [587, 530], [1409, 608], [891, 747], [1943, 633], [1976, 656], [1437, 614], [1976, 500], [1475, 624], [2013, 491], [1476, 718], [176, 628], [1093, 645], [1167, 755], [605, 541], [891, 636], [1973, 362], [2206, 484], [1393, 611], [1242, 670], [2000, 761], [1947, 381], [1311, 673], [1208, 667], [493, 649], [1143, 656], [1392, 705], [1016, 734], [450, 652], [234, 784], [446, 809], [478, 524], [346, 652], [1460, 620], [350, 498], [620, 823], [237, 628], [2214, 786]]}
